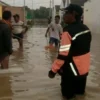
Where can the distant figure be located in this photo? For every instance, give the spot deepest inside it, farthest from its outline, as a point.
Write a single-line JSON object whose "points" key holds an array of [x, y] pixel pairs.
{"points": [[18, 30], [5, 39], [55, 31]]}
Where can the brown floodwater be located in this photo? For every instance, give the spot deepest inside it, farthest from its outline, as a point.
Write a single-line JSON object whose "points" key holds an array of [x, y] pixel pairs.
{"points": [[33, 83]]}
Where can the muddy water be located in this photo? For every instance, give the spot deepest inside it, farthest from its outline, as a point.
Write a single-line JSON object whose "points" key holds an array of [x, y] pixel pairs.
{"points": [[33, 83]]}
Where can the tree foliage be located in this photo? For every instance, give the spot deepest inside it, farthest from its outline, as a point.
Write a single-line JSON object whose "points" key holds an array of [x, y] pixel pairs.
{"points": [[41, 13]]}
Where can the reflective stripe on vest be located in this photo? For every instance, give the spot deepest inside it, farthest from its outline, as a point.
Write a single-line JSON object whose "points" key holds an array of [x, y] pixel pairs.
{"points": [[73, 69], [64, 48], [81, 33]]}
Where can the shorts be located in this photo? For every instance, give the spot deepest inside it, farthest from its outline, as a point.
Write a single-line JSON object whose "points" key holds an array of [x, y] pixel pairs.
{"points": [[54, 41], [18, 36]]}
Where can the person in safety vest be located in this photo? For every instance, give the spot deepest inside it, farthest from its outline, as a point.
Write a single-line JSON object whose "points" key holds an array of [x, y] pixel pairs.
{"points": [[73, 61]]}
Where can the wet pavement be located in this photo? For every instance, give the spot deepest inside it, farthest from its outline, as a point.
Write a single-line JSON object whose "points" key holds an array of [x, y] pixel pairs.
{"points": [[33, 83]]}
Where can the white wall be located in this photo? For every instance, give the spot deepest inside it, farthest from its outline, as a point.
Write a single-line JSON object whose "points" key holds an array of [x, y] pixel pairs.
{"points": [[92, 15]]}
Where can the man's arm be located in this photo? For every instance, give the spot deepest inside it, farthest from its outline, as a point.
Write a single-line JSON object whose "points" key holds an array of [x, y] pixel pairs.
{"points": [[63, 54], [47, 31], [60, 31], [7, 37]]}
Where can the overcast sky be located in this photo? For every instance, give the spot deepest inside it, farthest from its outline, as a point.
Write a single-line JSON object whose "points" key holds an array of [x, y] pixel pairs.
{"points": [[36, 3]]}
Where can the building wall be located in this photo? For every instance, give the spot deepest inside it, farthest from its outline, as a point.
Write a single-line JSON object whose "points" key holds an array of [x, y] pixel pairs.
{"points": [[16, 10], [0, 12], [92, 15]]}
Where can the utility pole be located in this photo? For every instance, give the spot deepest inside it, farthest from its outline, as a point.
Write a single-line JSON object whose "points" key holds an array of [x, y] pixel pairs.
{"points": [[50, 9], [32, 10], [53, 10], [69, 1], [13, 2], [24, 13]]}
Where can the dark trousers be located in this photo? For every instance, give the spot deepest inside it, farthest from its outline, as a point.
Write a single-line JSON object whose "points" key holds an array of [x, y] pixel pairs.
{"points": [[54, 41], [70, 86]]}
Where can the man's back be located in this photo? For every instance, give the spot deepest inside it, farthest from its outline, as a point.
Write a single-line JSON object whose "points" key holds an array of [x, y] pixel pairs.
{"points": [[5, 39]]}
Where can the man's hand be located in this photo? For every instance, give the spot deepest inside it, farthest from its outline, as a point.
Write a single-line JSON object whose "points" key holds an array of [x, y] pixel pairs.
{"points": [[60, 72], [10, 52], [51, 74]]}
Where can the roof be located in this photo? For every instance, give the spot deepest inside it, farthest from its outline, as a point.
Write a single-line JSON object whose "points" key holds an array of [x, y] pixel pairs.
{"points": [[3, 3]]}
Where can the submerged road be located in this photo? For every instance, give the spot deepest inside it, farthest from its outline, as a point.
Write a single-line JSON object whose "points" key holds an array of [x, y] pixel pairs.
{"points": [[33, 83]]}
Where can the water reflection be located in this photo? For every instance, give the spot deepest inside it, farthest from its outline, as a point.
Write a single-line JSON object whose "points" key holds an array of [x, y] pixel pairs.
{"points": [[5, 88], [34, 83]]}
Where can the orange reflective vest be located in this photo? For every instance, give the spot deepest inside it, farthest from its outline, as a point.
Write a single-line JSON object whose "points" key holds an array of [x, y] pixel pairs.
{"points": [[74, 51]]}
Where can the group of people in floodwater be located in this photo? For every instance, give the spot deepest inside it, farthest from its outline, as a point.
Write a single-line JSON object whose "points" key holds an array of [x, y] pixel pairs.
{"points": [[73, 41], [10, 28]]}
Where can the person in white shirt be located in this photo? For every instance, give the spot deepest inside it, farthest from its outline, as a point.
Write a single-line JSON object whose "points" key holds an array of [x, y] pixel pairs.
{"points": [[55, 30], [18, 30]]}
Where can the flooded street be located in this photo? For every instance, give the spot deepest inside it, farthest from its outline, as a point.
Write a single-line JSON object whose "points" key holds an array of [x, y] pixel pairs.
{"points": [[33, 83]]}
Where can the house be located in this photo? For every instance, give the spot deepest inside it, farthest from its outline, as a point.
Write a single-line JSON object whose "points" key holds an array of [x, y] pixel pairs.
{"points": [[3, 3], [15, 10], [92, 15], [1, 7]]}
